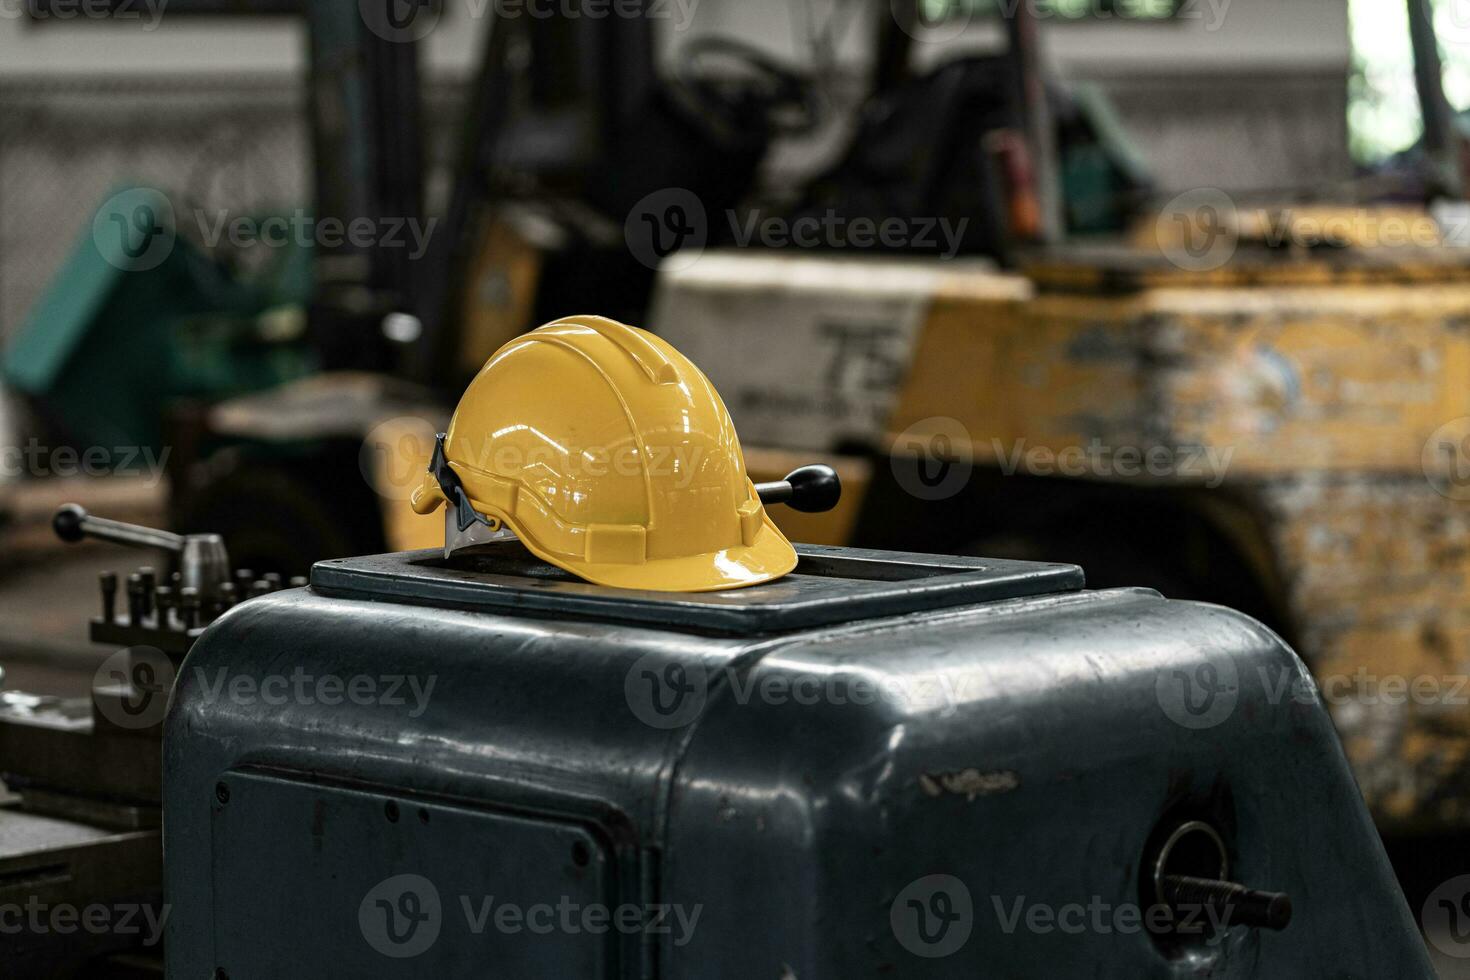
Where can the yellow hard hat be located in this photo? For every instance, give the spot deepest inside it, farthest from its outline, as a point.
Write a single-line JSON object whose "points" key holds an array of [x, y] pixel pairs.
{"points": [[610, 455]]}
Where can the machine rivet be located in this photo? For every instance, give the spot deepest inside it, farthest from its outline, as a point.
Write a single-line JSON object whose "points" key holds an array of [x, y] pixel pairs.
{"points": [[222, 792], [390, 810]]}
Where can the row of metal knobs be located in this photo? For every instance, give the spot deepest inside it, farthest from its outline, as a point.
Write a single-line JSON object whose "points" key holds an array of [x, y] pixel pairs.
{"points": [[180, 609]]}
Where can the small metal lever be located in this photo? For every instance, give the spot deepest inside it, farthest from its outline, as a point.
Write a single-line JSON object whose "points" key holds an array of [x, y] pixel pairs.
{"points": [[1235, 905], [72, 523], [204, 564], [810, 489]]}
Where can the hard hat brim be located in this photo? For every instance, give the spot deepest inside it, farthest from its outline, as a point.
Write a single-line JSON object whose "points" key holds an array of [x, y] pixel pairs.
{"points": [[769, 558]]}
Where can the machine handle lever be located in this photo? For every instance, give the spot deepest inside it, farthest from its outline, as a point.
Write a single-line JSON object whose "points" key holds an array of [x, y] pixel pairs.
{"points": [[204, 563], [1235, 904], [810, 489], [72, 523]]}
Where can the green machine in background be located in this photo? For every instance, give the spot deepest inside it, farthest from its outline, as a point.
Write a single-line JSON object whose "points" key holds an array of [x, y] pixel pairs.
{"points": [[139, 317]]}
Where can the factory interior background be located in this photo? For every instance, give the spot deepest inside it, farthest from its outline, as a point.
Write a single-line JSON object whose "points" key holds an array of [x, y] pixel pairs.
{"points": [[1174, 291]]}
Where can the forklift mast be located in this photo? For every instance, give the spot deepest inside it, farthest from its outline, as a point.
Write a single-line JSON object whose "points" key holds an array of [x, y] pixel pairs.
{"points": [[367, 137]]}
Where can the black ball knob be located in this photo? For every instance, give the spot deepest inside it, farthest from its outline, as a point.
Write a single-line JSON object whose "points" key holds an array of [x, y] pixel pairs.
{"points": [[68, 522], [814, 489]]}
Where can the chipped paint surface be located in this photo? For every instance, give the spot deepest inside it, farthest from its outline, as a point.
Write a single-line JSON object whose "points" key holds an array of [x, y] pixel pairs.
{"points": [[1377, 576], [969, 783], [1322, 399], [1345, 379]]}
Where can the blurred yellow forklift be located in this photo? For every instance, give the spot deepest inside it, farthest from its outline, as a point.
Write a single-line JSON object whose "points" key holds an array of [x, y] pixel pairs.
{"points": [[1266, 407], [1284, 434]]}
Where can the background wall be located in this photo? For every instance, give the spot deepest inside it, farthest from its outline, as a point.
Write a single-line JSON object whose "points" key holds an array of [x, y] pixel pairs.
{"points": [[1247, 95], [1239, 94]]}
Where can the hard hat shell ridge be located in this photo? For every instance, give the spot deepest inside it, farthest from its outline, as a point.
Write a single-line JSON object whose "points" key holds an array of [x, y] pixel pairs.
{"points": [[610, 455]]}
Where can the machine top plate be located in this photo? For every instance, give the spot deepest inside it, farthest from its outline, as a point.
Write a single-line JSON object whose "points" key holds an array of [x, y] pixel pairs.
{"points": [[830, 585]]}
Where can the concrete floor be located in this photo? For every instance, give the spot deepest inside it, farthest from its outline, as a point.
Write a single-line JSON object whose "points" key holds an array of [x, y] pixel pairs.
{"points": [[48, 592]]}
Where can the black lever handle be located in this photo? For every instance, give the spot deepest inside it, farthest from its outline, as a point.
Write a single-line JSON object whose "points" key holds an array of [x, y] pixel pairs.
{"points": [[810, 489], [204, 564], [1235, 904], [72, 523]]}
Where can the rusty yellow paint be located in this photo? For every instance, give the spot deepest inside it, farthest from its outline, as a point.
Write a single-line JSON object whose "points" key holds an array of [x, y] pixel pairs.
{"points": [[1384, 236], [500, 297], [1377, 578], [1351, 378], [1319, 382], [399, 456]]}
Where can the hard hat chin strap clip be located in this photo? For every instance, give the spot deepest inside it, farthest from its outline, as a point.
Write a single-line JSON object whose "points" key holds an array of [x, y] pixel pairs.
{"points": [[465, 514], [456, 539]]}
